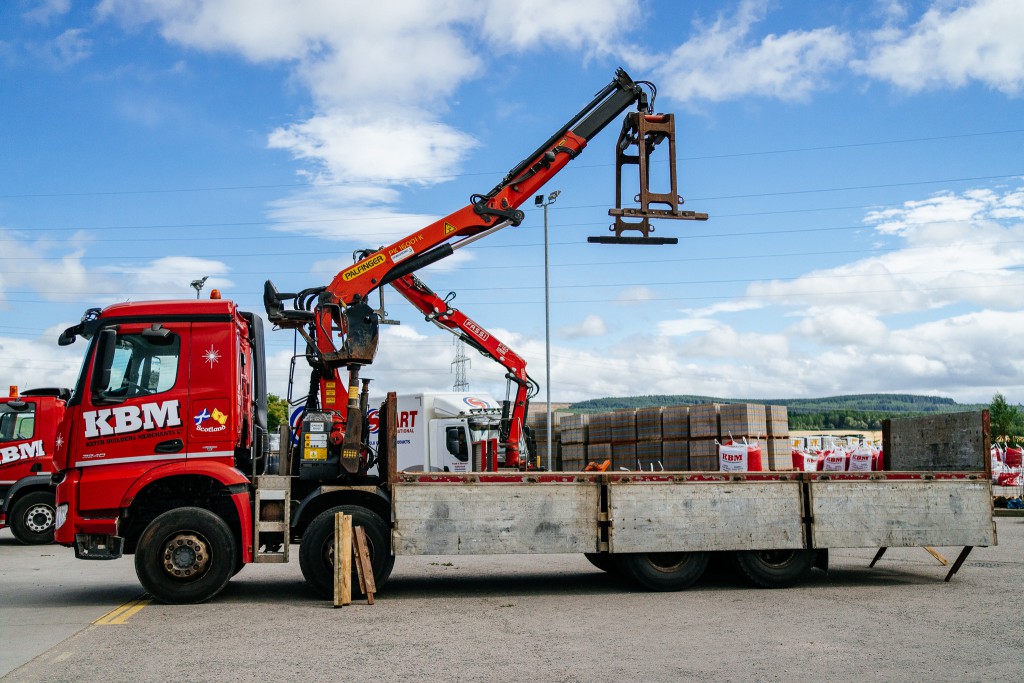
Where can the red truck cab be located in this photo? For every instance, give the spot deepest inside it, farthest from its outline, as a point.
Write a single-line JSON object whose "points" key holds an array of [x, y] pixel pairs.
{"points": [[28, 436], [169, 405]]}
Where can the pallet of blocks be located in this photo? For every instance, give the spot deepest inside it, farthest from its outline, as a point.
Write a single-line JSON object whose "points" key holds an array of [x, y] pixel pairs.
{"points": [[704, 437], [538, 424], [573, 430], [599, 447], [623, 438], [574, 457], [779, 453], [648, 439], [675, 433]]}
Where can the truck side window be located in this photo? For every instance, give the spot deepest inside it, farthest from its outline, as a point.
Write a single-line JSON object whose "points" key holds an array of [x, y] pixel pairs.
{"points": [[455, 440], [143, 365]]}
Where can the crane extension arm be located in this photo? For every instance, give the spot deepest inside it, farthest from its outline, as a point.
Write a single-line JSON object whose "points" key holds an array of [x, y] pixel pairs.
{"points": [[441, 313]]}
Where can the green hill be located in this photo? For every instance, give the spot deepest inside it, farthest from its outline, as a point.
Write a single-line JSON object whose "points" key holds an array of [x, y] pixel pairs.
{"points": [[855, 411]]}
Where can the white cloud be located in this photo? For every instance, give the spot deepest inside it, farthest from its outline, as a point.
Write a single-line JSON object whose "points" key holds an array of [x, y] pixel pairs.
{"points": [[956, 249], [69, 48], [722, 62], [402, 147], [169, 277], [591, 326], [596, 25], [952, 45], [47, 10], [381, 75], [685, 326], [39, 362], [636, 294]]}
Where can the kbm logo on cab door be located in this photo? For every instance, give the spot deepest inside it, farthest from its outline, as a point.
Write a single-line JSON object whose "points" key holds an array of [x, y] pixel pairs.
{"points": [[131, 419]]}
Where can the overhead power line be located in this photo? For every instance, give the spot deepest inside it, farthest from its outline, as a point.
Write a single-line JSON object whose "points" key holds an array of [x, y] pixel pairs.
{"points": [[408, 179]]}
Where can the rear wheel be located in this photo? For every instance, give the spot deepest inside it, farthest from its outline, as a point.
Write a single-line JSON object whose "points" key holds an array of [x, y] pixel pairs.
{"points": [[186, 556], [316, 552], [32, 518], [776, 568], [663, 571]]}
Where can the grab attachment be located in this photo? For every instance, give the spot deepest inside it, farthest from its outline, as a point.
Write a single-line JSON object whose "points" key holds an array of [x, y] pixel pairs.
{"points": [[641, 134]]}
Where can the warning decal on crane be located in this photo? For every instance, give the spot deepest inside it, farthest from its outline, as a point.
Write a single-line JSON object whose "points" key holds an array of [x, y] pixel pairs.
{"points": [[449, 228]]}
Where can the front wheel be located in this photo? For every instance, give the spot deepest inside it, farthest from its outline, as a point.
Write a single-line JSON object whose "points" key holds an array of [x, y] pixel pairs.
{"points": [[776, 568], [185, 556], [32, 518], [663, 571], [316, 552]]}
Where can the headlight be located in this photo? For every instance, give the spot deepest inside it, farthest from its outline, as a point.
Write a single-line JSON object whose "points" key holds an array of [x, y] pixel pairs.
{"points": [[62, 515]]}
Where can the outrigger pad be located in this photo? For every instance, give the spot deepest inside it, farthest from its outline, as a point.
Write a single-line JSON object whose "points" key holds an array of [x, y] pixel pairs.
{"points": [[602, 239]]}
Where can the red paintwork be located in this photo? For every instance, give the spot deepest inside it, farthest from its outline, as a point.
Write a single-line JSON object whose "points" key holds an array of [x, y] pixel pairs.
{"points": [[19, 456]]}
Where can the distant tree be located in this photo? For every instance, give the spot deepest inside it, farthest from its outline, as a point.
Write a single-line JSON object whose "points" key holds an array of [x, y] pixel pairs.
{"points": [[1004, 419], [277, 412]]}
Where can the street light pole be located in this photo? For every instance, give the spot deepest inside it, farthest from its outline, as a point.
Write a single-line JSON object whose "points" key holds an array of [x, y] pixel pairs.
{"points": [[539, 201]]}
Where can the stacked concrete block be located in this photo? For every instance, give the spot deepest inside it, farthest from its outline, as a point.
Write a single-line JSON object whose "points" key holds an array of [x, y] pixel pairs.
{"points": [[574, 429], [649, 456], [675, 423], [623, 437], [648, 424], [704, 435], [648, 438], [574, 457], [778, 456], [742, 420], [675, 455], [600, 428], [599, 452], [675, 432], [537, 421], [624, 456], [703, 455]]}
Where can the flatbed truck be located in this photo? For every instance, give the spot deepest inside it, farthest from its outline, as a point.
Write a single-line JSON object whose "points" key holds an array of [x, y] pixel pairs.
{"points": [[164, 446]]}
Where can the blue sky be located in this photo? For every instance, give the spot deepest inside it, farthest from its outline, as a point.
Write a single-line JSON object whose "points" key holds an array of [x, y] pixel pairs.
{"points": [[861, 163]]}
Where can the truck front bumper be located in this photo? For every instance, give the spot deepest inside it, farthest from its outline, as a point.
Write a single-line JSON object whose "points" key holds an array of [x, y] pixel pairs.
{"points": [[98, 546]]}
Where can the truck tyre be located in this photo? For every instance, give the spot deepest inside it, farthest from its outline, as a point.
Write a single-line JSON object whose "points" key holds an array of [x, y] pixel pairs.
{"points": [[602, 561], [186, 556], [775, 568], [32, 518], [316, 551], [663, 571]]}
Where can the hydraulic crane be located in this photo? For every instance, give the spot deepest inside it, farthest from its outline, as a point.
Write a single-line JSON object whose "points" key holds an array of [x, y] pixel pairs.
{"points": [[341, 328]]}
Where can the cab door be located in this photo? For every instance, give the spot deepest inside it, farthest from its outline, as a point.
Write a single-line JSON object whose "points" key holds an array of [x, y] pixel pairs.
{"points": [[133, 408], [450, 448]]}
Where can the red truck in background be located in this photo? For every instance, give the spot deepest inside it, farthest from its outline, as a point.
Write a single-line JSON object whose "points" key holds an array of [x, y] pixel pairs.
{"points": [[29, 424]]}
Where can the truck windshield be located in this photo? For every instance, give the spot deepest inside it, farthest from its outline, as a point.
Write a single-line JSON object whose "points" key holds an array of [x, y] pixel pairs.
{"points": [[17, 425]]}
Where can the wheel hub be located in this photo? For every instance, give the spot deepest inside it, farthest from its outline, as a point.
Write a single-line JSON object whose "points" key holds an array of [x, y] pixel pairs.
{"points": [[667, 562], [775, 558], [39, 518], [186, 556]]}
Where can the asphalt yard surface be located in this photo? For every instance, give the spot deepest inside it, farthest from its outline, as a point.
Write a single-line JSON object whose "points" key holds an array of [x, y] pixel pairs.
{"points": [[523, 618]]}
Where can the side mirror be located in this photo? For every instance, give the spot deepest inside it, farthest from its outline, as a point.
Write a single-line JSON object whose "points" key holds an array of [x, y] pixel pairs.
{"points": [[105, 346], [68, 336]]}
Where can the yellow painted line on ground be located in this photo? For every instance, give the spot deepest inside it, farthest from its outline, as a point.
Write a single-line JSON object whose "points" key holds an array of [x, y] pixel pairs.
{"points": [[120, 615]]}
